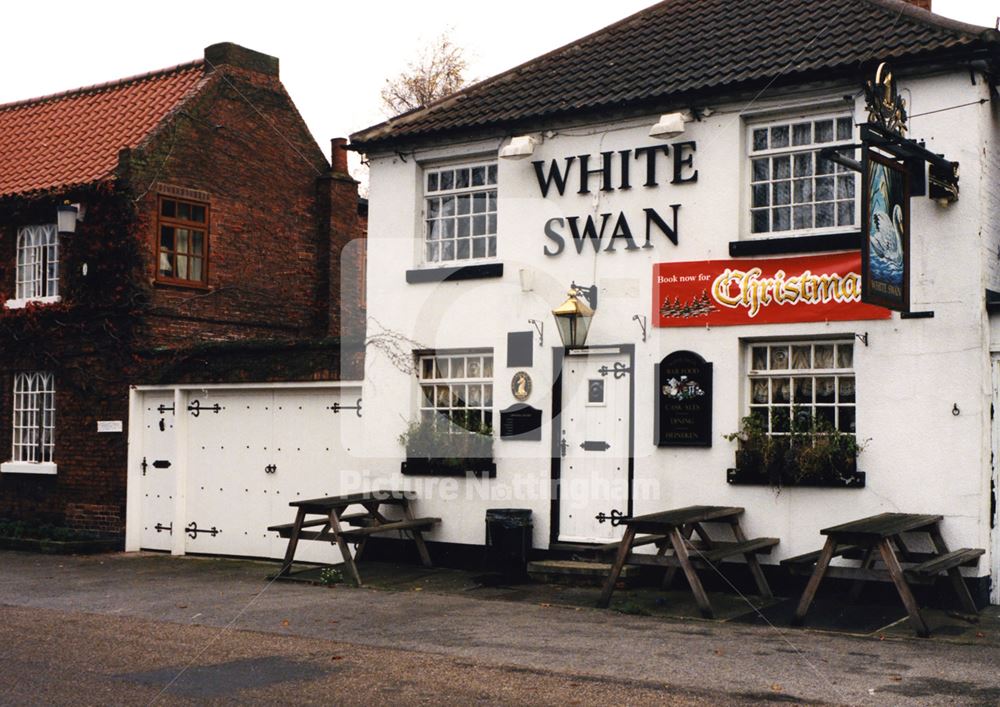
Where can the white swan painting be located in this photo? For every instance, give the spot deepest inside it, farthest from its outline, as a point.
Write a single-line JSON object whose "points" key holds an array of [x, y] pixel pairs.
{"points": [[887, 225]]}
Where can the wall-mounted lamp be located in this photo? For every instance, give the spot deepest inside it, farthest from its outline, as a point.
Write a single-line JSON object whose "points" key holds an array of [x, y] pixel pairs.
{"points": [[573, 317], [66, 215], [520, 147], [671, 125], [540, 328], [527, 278]]}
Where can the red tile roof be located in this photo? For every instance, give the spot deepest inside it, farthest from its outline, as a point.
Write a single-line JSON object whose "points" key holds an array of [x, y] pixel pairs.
{"points": [[74, 137], [682, 50]]}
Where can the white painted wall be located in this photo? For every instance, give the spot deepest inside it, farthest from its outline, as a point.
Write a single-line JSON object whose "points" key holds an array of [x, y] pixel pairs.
{"points": [[921, 457]]}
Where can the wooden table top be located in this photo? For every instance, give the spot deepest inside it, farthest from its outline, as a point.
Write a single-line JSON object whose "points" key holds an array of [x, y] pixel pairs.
{"points": [[665, 520], [881, 526], [329, 503]]}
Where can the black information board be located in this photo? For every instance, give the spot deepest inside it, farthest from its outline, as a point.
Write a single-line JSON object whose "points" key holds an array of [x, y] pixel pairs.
{"points": [[521, 422], [684, 401], [520, 349]]}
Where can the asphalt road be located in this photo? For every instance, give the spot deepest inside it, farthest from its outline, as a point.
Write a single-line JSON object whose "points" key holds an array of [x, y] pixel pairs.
{"points": [[122, 628]]}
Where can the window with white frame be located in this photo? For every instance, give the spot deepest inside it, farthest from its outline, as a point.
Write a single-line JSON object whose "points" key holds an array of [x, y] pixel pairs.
{"points": [[792, 189], [37, 262], [460, 213], [34, 417], [457, 387], [798, 386]]}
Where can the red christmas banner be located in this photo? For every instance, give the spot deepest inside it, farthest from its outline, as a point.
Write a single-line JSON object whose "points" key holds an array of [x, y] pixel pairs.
{"points": [[813, 288]]}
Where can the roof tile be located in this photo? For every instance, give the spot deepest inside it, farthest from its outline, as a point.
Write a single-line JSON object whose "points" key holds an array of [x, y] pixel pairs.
{"points": [[74, 137], [680, 47]]}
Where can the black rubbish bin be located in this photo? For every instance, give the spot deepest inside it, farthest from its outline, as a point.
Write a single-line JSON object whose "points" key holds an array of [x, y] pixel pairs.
{"points": [[508, 541]]}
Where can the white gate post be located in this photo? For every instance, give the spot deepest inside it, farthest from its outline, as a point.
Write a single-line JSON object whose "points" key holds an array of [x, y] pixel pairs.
{"points": [[180, 474], [133, 479]]}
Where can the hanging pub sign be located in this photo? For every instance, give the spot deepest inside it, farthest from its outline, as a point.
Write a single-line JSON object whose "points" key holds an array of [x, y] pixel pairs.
{"points": [[885, 218], [683, 401], [734, 292]]}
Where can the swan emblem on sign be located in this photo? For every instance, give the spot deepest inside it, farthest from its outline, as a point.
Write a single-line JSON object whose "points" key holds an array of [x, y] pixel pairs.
{"points": [[887, 235]]}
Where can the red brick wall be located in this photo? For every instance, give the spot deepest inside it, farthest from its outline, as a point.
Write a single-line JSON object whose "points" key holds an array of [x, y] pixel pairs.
{"points": [[278, 223], [242, 142]]}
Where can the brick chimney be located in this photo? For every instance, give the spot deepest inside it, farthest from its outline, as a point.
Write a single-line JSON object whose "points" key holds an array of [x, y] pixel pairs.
{"points": [[338, 155], [341, 228], [229, 54], [922, 4]]}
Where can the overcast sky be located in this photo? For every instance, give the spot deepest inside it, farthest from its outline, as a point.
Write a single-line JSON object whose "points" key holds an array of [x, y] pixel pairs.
{"points": [[335, 55]]}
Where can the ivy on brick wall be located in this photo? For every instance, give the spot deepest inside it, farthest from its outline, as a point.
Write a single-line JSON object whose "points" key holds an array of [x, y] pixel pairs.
{"points": [[86, 338]]}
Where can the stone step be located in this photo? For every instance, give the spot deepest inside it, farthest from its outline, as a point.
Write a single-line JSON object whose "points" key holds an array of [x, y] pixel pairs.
{"points": [[577, 572]]}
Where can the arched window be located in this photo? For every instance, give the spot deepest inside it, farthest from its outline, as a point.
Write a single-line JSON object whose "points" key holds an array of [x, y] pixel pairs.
{"points": [[34, 417], [37, 262]]}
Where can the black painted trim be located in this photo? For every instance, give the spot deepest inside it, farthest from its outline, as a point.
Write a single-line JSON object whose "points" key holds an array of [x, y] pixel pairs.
{"points": [[462, 272], [796, 244], [992, 301], [558, 358], [916, 315]]}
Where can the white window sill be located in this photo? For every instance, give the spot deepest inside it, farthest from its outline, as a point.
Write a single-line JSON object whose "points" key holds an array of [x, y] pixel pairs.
{"points": [[28, 468], [20, 303]]}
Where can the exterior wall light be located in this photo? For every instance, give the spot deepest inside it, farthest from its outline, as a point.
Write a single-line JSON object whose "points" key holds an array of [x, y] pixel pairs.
{"points": [[671, 125], [66, 214], [520, 147], [573, 316]]}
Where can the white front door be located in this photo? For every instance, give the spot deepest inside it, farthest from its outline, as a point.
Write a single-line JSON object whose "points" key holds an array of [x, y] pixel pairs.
{"points": [[595, 445], [158, 477]]}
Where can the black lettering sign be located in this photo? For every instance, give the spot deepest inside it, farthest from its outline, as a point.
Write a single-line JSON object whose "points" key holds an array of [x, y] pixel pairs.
{"points": [[521, 422], [683, 401]]}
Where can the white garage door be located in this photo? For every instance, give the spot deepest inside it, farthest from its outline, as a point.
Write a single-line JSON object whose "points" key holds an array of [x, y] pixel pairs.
{"points": [[232, 460]]}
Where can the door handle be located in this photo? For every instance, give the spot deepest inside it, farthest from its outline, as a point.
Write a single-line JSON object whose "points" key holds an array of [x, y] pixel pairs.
{"points": [[563, 445]]}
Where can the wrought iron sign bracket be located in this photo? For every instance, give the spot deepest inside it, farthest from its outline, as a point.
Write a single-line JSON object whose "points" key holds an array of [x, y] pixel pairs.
{"points": [[942, 173], [863, 338], [540, 328], [337, 407], [642, 324]]}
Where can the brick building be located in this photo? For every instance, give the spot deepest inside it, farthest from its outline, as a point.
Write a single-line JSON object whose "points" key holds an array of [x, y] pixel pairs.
{"points": [[208, 246]]}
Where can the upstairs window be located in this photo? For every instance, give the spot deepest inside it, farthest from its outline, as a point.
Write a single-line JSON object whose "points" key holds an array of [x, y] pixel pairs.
{"points": [[183, 241], [793, 190], [460, 213], [37, 264]]}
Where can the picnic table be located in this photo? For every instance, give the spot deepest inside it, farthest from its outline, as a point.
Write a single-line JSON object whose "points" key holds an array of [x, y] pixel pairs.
{"points": [[882, 537], [363, 524], [671, 532]]}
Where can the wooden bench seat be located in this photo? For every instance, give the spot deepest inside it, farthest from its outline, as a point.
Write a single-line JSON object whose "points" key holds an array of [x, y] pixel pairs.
{"points": [[808, 559], [966, 557], [722, 550], [414, 524]]}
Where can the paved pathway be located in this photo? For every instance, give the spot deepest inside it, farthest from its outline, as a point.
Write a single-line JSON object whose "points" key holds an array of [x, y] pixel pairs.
{"points": [[692, 660]]}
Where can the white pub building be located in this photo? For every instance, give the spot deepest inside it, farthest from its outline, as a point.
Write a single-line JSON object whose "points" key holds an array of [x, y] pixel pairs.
{"points": [[673, 173]]}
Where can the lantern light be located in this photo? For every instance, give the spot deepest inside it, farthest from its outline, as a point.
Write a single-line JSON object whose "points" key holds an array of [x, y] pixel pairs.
{"points": [[573, 317], [66, 214]]}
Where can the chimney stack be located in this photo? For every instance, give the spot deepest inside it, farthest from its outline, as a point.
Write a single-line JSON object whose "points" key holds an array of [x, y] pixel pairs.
{"points": [[922, 4], [338, 155]]}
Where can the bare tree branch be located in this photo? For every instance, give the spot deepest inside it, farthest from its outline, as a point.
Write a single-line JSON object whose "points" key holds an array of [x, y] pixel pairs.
{"points": [[439, 71]]}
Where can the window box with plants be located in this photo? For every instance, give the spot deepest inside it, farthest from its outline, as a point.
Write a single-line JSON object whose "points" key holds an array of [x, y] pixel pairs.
{"points": [[813, 453], [436, 446]]}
